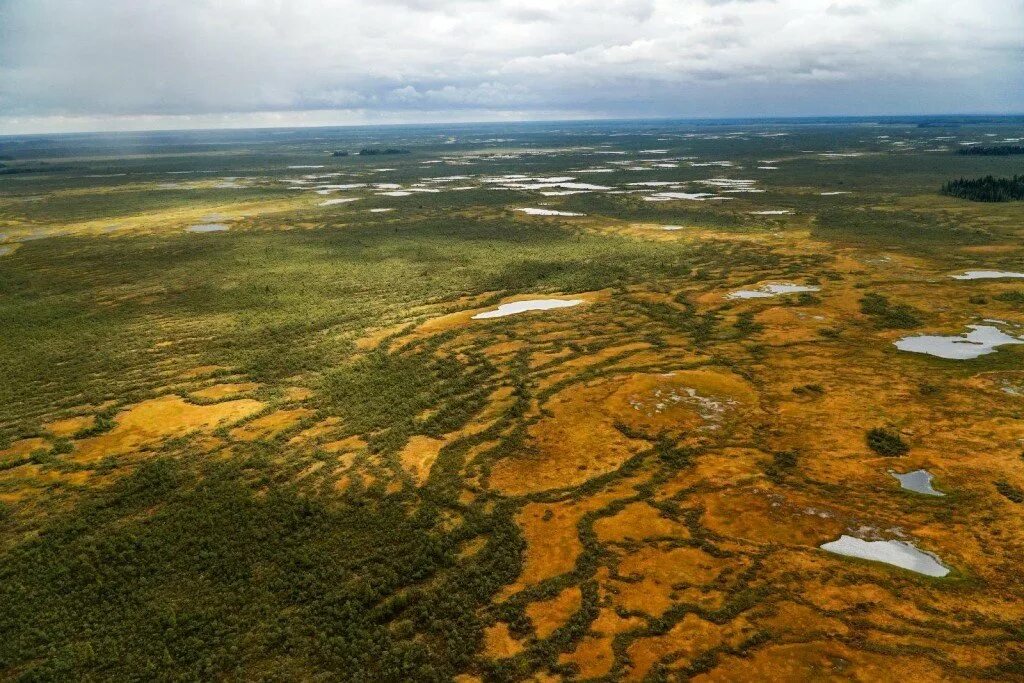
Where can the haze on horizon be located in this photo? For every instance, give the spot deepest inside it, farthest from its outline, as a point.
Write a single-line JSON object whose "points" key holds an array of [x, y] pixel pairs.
{"points": [[80, 65]]}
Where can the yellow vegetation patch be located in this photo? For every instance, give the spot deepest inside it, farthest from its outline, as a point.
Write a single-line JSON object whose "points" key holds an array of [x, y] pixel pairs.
{"points": [[418, 456], [552, 541], [549, 615], [499, 643], [638, 521], [724, 467], [202, 371], [822, 661], [760, 516], [71, 425], [219, 391], [578, 442], [297, 394], [269, 425], [552, 536], [20, 449], [594, 656], [683, 642], [162, 418], [317, 432], [347, 445], [658, 574], [581, 439]]}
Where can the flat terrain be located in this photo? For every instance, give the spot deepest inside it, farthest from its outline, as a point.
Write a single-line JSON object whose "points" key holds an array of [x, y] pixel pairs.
{"points": [[261, 416]]}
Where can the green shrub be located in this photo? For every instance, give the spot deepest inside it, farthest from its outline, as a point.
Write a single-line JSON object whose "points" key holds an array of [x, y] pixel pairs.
{"points": [[888, 315], [62, 446], [1010, 492], [886, 442]]}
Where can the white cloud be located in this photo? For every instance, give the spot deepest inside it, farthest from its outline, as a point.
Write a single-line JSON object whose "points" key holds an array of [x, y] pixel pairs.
{"points": [[115, 60]]}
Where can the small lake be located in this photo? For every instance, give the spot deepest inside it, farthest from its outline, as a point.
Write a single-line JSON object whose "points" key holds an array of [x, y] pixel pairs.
{"points": [[548, 212], [207, 227], [771, 290], [918, 481], [897, 553], [979, 341], [987, 275], [523, 306]]}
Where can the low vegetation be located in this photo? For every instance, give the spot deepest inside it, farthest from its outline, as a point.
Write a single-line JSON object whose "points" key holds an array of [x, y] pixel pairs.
{"points": [[634, 488]]}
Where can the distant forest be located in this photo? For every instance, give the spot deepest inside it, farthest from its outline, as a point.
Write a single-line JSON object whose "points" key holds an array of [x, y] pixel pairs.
{"points": [[987, 189], [371, 151], [991, 150]]}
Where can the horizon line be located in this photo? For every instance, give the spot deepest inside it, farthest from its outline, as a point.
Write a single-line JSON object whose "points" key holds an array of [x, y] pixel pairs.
{"points": [[666, 119]]}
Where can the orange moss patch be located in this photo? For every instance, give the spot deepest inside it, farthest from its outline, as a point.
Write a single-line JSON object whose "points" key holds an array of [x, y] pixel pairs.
{"points": [[725, 467], [800, 620], [162, 418], [418, 456], [574, 366], [20, 449], [297, 394], [549, 615], [312, 469], [682, 643], [760, 516], [347, 445], [637, 521], [472, 547], [552, 541], [580, 439], [857, 598], [219, 391], [577, 443], [661, 571], [316, 432], [202, 371], [269, 425], [783, 325], [822, 661], [70, 426], [594, 655], [552, 536], [499, 643]]}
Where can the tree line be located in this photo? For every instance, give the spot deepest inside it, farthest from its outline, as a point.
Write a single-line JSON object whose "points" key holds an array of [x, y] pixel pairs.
{"points": [[991, 150], [987, 189]]}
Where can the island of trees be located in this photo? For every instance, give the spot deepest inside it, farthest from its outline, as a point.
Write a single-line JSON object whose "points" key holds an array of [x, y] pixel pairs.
{"points": [[372, 151], [991, 150], [987, 189]]}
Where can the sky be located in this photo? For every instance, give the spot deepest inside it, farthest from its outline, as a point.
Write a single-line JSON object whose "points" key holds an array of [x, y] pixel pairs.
{"points": [[82, 65]]}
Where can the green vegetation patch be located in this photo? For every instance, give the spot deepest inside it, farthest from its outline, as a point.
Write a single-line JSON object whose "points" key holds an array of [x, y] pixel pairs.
{"points": [[987, 189], [886, 442], [169, 571], [387, 394], [991, 150], [887, 315]]}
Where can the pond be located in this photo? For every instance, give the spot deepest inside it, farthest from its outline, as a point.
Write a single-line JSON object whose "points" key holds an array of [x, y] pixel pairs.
{"points": [[979, 341], [918, 481], [897, 553], [530, 305]]}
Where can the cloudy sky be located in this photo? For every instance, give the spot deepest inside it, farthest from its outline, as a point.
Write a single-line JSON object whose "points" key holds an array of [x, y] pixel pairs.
{"points": [[145, 64]]}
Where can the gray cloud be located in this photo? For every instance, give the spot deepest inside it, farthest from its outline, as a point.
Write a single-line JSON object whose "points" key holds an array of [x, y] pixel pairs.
{"points": [[86, 62]]}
